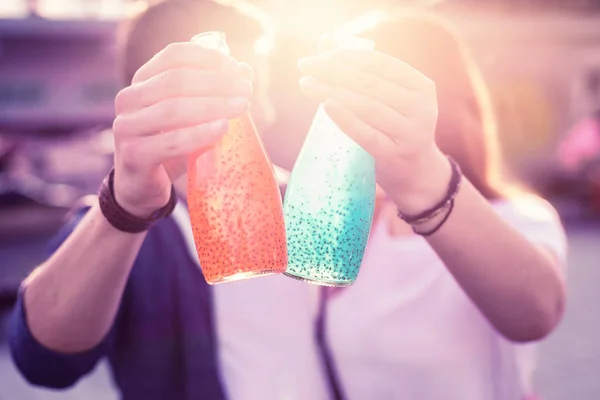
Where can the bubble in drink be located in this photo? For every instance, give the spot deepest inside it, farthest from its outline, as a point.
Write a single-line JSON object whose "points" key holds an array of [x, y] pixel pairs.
{"points": [[235, 203]]}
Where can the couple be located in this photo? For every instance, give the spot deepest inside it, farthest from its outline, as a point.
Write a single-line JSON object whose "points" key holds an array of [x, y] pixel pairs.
{"points": [[447, 316]]}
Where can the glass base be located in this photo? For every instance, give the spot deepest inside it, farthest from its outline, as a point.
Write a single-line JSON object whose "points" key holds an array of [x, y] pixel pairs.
{"points": [[240, 276], [320, 282]]}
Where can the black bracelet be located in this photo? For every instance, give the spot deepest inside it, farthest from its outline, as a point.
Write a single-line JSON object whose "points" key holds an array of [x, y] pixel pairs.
{"points": [[438, 226], [121, 219], [432, 212]]}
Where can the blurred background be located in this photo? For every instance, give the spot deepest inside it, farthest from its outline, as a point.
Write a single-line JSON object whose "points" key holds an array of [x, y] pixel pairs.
{"points": [[541, 59]]}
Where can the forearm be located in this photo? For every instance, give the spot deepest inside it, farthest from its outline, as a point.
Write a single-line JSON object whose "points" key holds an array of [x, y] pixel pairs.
{"points": [[516, 284], [71, 300]]}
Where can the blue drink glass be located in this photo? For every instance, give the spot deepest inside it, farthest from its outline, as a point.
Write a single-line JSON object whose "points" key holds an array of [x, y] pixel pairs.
{"points": [[329, 203]]}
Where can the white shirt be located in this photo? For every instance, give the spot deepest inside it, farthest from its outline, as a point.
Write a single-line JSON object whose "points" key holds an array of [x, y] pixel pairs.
{"points": [[404, 330], [265, 335]]}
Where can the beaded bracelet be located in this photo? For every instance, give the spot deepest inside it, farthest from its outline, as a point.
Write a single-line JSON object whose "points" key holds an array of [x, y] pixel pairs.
{"points": [[439, 225]]}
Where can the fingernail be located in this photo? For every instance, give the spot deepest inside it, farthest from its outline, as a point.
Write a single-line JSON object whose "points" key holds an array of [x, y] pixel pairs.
{"points": [[305, 81], [306, 63], [243, 87], [218, 125], [238, 103], [309, 83]]}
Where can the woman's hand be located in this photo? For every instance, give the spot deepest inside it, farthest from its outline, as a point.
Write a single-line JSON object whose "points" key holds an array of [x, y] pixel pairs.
{"points": [[390, 109], [178, 103]]}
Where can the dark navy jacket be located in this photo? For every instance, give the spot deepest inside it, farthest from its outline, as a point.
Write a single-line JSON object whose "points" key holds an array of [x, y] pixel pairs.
{"points": [[162, 344]]}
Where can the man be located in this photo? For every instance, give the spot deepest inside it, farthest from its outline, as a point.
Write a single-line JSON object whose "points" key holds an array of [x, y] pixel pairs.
{"points": [[140, 299]]}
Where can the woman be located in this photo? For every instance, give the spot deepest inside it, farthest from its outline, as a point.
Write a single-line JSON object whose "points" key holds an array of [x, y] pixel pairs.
{"points": [[440, 315]]}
